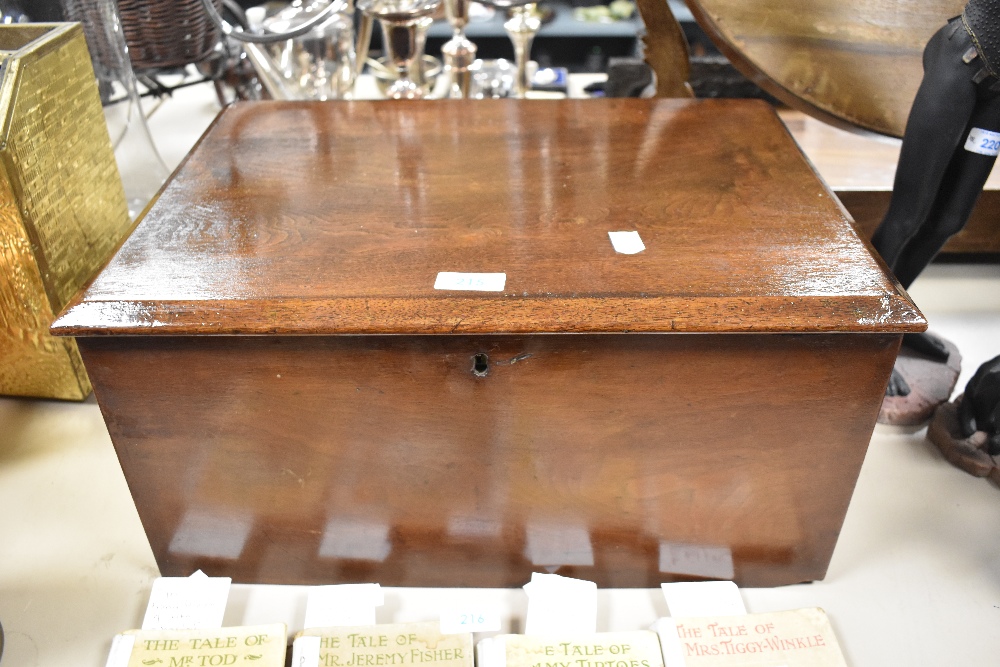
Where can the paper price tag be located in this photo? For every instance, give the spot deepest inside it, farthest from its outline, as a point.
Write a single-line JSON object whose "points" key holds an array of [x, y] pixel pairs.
{"points": [[627, 243], [560, 605], [471, 282], [983, 142], [469, 619], [187, 603]]}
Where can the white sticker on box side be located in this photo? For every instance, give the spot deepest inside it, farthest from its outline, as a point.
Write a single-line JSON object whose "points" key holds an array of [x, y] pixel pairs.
{"points": [[471, 282], [470, 618], [983, 142], [626, 243], [305, 652], [121, 651]]}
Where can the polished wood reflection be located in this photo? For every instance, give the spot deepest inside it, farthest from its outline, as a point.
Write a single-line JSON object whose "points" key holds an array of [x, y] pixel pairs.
{"points": [[851, 63], [292, 402], [320, 459], [336, 218]]}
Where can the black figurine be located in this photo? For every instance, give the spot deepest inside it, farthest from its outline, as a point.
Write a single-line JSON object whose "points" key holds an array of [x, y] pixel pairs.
{"points": [[979, 409], [951, 142]]}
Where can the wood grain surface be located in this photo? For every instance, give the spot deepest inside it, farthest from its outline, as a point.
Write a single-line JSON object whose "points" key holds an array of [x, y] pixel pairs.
{"points": [[852, 63], [624, 459], [336, 218]]}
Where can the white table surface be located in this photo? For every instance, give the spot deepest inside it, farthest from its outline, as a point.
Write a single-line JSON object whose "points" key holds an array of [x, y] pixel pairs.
{"points": [[915, 578]]}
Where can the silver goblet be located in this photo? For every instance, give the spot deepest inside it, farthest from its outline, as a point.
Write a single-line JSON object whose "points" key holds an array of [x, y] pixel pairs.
{"points": [[404, 32]]}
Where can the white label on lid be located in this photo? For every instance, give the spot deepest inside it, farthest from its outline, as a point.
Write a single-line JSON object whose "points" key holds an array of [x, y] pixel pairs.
{"points": [[471, 282], [983, 142], [627, 243]]}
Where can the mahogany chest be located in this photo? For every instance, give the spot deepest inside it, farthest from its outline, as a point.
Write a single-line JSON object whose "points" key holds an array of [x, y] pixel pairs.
{"points": [[294, 401]]}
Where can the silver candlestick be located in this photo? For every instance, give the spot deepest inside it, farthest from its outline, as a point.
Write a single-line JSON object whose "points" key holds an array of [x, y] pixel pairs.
{"points": [[458, 53], [521, 27]]}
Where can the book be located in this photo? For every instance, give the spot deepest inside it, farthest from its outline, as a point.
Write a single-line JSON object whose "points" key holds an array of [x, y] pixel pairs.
{"points": [[256, 645], [795, 638], [600, 649], [398, 644]]}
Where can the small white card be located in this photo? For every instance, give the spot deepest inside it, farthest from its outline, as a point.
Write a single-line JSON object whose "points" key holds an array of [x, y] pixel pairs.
{"points": [[471, 282], [470, 618], [560, 605], [627, 243], [187, 603], [703, 598], [343, 604], [983, 142], [305, 652]]}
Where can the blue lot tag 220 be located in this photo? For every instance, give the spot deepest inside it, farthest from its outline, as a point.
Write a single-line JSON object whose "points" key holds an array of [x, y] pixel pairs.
{"points": [[983, 141]]}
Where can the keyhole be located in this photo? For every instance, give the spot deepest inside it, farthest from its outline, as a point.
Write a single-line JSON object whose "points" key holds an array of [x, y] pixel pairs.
{"points": [[480, 365]]}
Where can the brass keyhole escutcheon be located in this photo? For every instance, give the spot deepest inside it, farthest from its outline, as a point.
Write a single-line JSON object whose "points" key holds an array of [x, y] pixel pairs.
{"points": [[480, 365]]}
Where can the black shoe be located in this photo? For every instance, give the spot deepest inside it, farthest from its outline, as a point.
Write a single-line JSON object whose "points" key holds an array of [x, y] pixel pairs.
{"points": [[897, 385]]}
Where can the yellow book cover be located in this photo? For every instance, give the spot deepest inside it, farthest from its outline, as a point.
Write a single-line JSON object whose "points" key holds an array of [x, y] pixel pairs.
{"points": [[602, 649], [795, 638], [247, 646], [407, 644]]}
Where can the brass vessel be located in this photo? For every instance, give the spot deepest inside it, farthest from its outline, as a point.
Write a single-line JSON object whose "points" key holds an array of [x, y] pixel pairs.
{"points": [[62, 206]]}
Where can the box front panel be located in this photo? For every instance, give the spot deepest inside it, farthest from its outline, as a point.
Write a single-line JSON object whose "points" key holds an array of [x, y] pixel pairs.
{"points": [[473, 461]]}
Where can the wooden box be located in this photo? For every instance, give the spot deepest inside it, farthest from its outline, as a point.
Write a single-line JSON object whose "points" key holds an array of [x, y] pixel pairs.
{"points": [[292, 400]]}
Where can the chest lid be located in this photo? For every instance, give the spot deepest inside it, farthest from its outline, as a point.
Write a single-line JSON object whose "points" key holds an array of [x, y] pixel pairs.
{"points": [[337, 218]]}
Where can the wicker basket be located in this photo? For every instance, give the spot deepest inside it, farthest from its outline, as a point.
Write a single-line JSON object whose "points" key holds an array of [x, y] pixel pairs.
{"points": [[159, 33]]}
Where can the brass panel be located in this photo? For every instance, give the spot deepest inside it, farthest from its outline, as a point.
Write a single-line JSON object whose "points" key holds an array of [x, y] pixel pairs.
{"points": [[62, 206]]}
